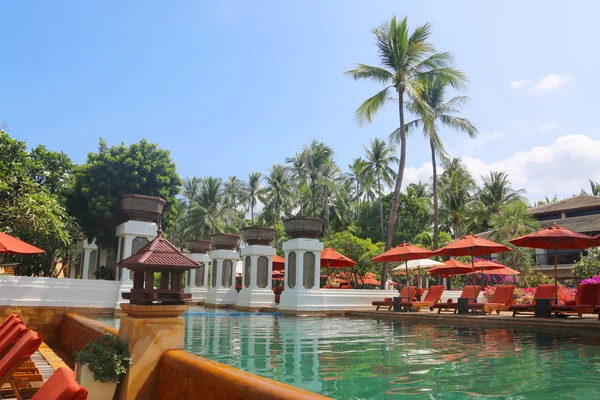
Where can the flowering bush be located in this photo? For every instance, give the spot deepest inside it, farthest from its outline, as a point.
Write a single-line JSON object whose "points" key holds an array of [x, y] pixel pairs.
{"points": [[593, 279], [526, 295]]}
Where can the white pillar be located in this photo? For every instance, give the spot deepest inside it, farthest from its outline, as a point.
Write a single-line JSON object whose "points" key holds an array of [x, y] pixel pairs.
{"points": [[198, 292], [127, 232], [218, 294], [253, 296], [300, 298], [87, 249]]}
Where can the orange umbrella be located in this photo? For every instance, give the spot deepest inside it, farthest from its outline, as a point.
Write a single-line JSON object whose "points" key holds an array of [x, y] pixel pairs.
{"points": [[555, 237], [332, 259], [404, 253], [370, 279], [472, 245], [502, 271], [12, 245], [450, 268], [278, 263]]}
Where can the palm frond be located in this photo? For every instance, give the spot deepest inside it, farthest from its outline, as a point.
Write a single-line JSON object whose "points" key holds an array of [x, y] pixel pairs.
{"points": [[374, 74], [369, 108]]}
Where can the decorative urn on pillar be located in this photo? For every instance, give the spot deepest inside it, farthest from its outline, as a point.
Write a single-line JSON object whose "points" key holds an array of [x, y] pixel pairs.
{"points": [[139, 207]]}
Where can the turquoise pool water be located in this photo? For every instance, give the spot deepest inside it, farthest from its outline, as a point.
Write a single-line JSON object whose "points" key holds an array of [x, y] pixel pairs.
{"points": [[369, 359]]}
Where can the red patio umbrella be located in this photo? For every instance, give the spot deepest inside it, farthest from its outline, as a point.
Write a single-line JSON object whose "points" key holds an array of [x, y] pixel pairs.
{"points": [[12, 245], [403, 253], [502, 271], [332, 259], [555, 237], [278, 263], [450, 268], [472, 245], [370, 279]]}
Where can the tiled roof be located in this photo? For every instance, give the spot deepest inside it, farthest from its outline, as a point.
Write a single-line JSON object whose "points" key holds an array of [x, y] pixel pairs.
{"points": [[576, 202], [159, 253], [587, 224]]}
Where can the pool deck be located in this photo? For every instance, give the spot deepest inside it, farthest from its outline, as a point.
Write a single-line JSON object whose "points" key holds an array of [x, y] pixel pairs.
{"points": [[589, 322]]}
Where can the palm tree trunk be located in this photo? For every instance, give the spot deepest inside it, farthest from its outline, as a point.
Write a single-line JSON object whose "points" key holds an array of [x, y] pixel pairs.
{"points": [[314, 199], [380, 206], [401, 164], [357, 201], [436, 222]]}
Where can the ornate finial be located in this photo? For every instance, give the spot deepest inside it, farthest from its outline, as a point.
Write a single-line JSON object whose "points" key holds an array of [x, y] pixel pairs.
{"points": [[159, 230]]}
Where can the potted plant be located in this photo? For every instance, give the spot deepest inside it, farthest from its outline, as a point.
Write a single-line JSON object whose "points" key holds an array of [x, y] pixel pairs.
{"points": [[138, 207], [100, 366], [303, 227], [259, 235]]}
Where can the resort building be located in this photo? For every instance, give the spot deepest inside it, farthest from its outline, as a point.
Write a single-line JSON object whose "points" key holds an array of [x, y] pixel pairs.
{"points": [[579, 214]]}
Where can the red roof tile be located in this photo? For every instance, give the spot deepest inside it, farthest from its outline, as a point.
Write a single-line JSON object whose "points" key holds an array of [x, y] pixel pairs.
{"points": [[159, 253]]}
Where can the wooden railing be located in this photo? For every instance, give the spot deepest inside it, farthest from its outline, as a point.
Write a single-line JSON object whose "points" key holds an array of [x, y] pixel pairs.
{"points": [[182, 375]]}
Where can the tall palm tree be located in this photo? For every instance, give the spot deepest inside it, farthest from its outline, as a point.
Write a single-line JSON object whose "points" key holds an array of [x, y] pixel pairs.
{"points": [[233, 190], [191, 188], [206, 211], [405, 58], [251, 191], [379, 157], [278, 192], [595, 187], [432, 112], [356, 177], [456, 187], [497, 191]]}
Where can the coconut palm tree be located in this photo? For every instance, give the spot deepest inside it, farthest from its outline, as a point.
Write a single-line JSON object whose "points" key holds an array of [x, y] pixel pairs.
{"points": [[251, 192], [435, 111], [497, 191], [205, 211], [595, 188], [456, 188], [379, 157], [356, 177], [405, 57], [278, 193], [233, 191]]}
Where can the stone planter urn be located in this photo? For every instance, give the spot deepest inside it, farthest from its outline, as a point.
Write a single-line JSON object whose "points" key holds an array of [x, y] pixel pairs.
{"points": [[259, 235], [225, 241], [198, 246], [303, 227], [138, 207], [96, 390]]}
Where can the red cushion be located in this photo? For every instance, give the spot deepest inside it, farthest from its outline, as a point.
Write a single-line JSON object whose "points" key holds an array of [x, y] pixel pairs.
{"points": [[8, 319], [61, 386], [25, 347], [587, 294], [9, 325], [11, 337]]}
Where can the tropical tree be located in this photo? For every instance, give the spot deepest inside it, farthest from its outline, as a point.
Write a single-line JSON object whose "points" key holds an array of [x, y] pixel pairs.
{"points": [[546, 200], [433, 111], [456, 188], [278, 193], [251, 192], [379, 157], [497, 191], [594, 187], [406, 57], [234, 190], [356, 176]]}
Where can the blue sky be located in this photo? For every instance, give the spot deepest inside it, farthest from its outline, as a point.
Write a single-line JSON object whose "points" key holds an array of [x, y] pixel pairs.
{"points": [[231, 87]]}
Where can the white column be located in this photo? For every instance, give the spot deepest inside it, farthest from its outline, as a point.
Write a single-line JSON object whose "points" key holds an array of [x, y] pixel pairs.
{"points": [[198, 292], [255, 297], [218, 295], [87, 249]]}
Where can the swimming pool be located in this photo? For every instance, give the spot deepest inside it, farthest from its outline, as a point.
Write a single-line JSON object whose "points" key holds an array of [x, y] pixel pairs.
{"points": [[371, 359]]}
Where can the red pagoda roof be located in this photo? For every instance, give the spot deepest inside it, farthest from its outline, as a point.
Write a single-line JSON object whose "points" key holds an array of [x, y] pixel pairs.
{"points": [[159, 253]]}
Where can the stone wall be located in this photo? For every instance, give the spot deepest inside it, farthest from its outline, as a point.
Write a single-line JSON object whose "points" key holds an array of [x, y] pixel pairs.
{"points": [[47, 320], [182, 375]]}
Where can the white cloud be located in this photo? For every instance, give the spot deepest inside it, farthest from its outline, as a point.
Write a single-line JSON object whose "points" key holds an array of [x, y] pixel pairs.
{"points": [[518, 84], [551, 83], [483, 140], [562, 168], [545, 127], [414, 175]]}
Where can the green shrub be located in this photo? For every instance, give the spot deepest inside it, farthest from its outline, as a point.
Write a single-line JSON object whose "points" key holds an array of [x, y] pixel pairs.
{"points": [[107, 357]]}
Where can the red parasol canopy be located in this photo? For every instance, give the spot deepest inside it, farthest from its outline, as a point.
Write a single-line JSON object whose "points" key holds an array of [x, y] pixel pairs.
{"points": [[369, 279], [472, 245], [450, 268], [501, 271], [487, 264], [332, 259], [555, 237], [12, 245], [278, 263]]}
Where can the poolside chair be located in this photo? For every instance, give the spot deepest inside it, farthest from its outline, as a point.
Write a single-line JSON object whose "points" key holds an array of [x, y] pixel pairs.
{"points": [[389, 302], [586, 299], [541, 292], [501, 299], [61, 386], [8, 319], [16, 356], [9, 325], [11, 337], [434, 294], [467, 293]]}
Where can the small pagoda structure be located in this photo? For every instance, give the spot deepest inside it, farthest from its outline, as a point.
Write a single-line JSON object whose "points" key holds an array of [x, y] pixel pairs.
{"points": [[163, 257]]}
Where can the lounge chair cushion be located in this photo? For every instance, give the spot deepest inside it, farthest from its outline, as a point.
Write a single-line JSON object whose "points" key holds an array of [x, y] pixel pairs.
{"points": [[25, 347], [61, 386], [11, 337]]}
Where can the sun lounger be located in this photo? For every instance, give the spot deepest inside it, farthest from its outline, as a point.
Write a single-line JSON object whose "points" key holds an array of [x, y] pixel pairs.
{"points": [[9, 324], [61, 386], [541, 292], [389, 302], [586, 299], [501, 299], [16, 356], [434, 294], [8, 319], [11, 337], [467, 293]]}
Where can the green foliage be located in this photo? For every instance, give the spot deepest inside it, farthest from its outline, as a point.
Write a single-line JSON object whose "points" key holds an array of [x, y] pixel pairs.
{"points": [[107, 357], [359, 250], [104, 273], [588, 264], [140, 168]]}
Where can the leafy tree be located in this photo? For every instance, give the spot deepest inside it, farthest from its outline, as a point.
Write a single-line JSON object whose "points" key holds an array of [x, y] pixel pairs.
{"points": [[594, 187], [140, 168], [357, 177], [432, 112], [251, 191], [278, 194], [588, 264], [379, 157], [456, 188], [234, 192], [359, 250], [497, 191], [406, 58]]}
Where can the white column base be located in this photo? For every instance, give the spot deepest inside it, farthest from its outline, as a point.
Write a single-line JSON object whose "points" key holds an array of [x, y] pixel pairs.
{"points": [[198, 294], [302, 300], [221, 297], [256, 298]]}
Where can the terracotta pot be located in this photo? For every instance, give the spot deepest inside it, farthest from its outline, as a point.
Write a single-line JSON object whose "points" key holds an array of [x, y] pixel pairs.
{"points": [[198, 246], [225, 241], [96, 390], [260, 235], [303, 227], [138, 207]]}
